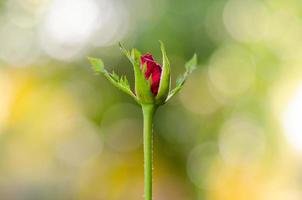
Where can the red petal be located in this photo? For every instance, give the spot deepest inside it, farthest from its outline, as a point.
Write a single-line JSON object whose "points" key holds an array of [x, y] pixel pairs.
{"points": [[153, 70]]}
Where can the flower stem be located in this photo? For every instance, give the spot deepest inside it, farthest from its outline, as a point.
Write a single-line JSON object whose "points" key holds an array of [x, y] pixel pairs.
{"points": [[148, 114]]}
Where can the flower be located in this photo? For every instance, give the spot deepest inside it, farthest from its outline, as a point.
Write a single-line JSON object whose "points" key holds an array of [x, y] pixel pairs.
{"points": [[153, 70], [152, 89], [152, 83]]}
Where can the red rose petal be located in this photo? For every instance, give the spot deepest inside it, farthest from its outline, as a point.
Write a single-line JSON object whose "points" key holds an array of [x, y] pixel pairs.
{"points": [[153, 70]]}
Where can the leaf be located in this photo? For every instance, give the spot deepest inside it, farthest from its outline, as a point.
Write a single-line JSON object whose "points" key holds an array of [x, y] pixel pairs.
{"points": [[165, 78], [97, 65], [130, 55], [119, 82], [115, 76], [190, 66], [136, 56]]}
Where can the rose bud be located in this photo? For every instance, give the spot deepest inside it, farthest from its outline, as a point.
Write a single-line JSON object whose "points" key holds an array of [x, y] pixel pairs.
{"points": [[151, 89], [152, 80], [159, 77], [153, 70]]}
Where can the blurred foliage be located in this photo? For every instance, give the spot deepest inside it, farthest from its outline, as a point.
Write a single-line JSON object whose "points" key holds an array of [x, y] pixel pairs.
{"points": [[232, 133]]}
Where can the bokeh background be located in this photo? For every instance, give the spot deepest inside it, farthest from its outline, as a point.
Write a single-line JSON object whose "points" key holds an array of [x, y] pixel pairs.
{"points": [[233, 133]]}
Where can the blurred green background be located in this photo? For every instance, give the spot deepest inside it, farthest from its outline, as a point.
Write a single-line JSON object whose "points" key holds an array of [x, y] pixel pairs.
{"points": [[233, 133]]}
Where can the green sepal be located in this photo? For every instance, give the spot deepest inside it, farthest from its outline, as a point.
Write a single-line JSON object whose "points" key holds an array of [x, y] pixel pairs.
{"points": [[142, 87], [119, 82], [165, 78], [190, 67]]}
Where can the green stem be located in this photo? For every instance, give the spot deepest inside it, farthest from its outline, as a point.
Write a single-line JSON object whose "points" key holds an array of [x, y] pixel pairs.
{"points": [[148, 114]]}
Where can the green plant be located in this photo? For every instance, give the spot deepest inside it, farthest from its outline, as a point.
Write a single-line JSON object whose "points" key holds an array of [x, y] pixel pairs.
{"points": [[152, 89]]}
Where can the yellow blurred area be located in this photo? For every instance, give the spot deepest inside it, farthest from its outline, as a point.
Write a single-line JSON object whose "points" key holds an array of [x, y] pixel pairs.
{"points": [[233, 133]]}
